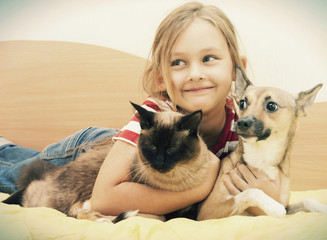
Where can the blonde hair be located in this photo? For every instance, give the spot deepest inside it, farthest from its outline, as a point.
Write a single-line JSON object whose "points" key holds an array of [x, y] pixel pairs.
{"points": [[167, 33]]}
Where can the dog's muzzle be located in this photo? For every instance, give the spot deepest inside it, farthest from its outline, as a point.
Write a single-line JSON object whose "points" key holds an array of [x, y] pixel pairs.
{"points": [[249, 127]]}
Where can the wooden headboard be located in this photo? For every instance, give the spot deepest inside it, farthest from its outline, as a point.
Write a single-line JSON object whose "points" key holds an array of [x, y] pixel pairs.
{"points": [[51, 89]]}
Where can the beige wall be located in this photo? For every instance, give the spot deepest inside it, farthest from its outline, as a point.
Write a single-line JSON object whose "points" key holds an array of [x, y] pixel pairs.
{"points": [[284, 40]]}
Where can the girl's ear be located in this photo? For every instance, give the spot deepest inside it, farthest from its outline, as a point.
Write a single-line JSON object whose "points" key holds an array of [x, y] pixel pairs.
{"points": [[161, 84]]}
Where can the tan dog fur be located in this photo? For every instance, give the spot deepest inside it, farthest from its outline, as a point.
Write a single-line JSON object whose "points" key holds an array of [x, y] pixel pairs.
{"points": [[270, 154]]}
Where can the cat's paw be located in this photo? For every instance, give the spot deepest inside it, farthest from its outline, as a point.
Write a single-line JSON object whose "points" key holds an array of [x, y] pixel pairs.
{"points": [[125, 215], [101, 220]]}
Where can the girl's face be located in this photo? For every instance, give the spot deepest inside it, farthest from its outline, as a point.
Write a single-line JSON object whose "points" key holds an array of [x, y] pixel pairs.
{"points": [[201, 69]]}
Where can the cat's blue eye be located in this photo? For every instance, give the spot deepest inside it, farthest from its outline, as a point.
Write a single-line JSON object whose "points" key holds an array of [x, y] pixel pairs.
{"points": [[209, 58], [178, 62], [152, 148], [171, 150]]}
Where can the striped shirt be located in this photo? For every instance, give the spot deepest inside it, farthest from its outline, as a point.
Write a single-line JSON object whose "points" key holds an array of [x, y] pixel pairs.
{"points": [[225, 145]]}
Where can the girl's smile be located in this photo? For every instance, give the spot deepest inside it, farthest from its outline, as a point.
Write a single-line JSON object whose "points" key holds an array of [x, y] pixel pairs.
{"points": [[200, 89]]}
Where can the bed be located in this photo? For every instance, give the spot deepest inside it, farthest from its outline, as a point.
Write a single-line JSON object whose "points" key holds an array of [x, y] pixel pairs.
{"points": [[51, 89]]}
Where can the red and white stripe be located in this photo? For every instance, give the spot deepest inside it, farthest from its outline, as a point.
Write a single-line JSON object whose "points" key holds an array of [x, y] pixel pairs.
{"points": [[225, 145]]}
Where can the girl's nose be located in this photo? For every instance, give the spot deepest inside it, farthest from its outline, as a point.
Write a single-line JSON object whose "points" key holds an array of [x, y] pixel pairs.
{"points": [[195, 73]]}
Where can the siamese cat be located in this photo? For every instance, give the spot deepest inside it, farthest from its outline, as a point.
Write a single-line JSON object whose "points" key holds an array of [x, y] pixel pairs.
{"points": [[171, 156]]}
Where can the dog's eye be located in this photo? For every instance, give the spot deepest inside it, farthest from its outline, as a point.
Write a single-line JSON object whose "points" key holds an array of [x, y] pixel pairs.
{"points": [[243, 104], [272, 107]]}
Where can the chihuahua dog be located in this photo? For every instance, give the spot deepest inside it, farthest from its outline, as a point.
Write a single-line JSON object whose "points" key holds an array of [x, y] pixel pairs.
{"points": [[266, 127]]}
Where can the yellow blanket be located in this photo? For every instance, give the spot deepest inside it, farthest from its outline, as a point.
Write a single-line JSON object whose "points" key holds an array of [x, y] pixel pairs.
{"points": [[46, 223]]}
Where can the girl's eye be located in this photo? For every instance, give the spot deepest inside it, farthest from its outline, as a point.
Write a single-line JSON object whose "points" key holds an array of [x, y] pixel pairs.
{"points": [[178, 63], [208, 58], [243, 104], [272, 107]]}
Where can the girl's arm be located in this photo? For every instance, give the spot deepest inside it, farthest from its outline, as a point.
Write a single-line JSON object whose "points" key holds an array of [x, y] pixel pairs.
{"points": [[113, 193]]}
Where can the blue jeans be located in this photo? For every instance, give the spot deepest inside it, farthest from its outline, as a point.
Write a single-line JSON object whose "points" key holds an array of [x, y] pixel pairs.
{"points": [[13, 157]]}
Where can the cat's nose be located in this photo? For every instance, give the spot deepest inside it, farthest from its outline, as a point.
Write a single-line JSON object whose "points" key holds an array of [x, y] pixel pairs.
{"points": [[160, 161]]}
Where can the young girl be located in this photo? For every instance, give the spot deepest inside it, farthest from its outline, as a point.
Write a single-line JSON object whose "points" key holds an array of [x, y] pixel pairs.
{"points": [[192, 67]]}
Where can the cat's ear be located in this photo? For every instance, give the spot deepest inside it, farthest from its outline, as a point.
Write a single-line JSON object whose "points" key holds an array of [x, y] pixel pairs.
{"points": [[146, 117], [191, 121]]}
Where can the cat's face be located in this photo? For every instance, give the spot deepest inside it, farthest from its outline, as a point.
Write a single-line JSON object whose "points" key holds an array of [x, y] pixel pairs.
{"points": [[168, 138]]}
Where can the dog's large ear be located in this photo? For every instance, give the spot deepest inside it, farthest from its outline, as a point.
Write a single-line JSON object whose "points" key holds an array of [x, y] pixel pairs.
{"points": [[241, 82], [305, 99], [146, 117]]}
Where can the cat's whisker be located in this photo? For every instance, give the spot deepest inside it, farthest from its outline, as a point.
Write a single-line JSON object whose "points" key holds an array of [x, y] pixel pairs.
{"points": [[183, 175], [127, 176], [142, 171], [188, 178], [135, 171], [143, 175]]}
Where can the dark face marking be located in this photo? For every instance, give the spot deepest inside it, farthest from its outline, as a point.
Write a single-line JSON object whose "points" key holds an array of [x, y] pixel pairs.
{"points": [[164, 147], [251, 127]]}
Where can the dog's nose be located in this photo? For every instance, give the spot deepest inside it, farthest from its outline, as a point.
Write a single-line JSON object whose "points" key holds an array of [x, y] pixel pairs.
{"points": [[244, 124]]}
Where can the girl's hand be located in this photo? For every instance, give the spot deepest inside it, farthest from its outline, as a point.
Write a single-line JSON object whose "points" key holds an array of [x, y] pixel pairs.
{"points": [[253, 178]]}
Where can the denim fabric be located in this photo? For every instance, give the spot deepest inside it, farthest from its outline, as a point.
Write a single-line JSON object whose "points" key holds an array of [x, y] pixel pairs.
{"points": [[13, 157]]}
